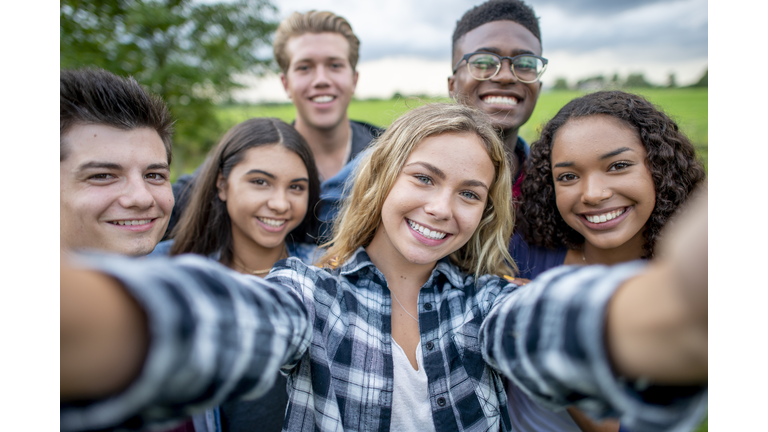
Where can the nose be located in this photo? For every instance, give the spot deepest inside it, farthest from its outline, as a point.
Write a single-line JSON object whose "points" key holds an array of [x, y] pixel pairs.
{"points": [[505, 75], [321, 78], [278, 202], [136, 194], [439, 206], [595, 191]]}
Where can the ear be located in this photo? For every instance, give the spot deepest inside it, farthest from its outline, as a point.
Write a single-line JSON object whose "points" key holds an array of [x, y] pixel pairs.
{"points": [[284, 80], [221, 185], [452, 86], [354, 81]]}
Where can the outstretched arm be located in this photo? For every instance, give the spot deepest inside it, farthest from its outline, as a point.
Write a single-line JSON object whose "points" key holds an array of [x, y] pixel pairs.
{"points": [[629, 341], [148, 342]]}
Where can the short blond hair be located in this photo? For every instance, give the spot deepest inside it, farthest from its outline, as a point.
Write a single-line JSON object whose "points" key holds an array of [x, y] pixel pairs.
{"points": [[313, 22], [486, 251]]}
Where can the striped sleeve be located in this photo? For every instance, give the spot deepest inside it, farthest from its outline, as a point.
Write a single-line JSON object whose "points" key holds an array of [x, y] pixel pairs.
{"points": [[215, 335], [547, 337]]}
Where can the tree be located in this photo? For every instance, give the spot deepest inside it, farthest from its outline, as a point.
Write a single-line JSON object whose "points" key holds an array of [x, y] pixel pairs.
{"points": [[637, 80], [672, 80], [703, 80], [560, 84], [187, 52]]}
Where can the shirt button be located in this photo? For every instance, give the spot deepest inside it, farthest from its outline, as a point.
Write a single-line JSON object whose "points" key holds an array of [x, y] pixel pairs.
{"points": [[441, 401], [430, 345], [428, 306]]}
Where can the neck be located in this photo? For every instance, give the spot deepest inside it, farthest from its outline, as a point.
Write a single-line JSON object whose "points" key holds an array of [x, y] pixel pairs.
{"points": [[329, 146], [402, 275], [249, 257], [629, 251], [509, 137]]}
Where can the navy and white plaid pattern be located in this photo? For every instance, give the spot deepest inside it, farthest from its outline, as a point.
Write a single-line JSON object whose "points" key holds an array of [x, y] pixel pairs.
{"points": [[215, 335], [345, 381], [548, 338], [218, 335]]}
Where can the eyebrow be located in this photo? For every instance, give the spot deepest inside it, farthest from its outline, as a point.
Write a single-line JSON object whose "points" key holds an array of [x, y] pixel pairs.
{"points": [[304, 179], [618, 151], [159, 166], [258, 171], [498, 51], [99, 165], [439, 173], [435, 170]]}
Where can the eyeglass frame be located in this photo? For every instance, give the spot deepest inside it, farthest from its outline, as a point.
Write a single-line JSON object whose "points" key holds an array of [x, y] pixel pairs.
{"points": [[501, 60]]}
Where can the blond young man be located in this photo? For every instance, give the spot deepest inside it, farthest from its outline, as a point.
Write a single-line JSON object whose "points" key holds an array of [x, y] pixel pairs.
{"points": [[317, 53]]}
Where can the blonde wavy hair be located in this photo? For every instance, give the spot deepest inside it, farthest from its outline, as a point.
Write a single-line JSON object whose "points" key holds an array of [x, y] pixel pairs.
{"points": [[360, 216], [312, 22]]}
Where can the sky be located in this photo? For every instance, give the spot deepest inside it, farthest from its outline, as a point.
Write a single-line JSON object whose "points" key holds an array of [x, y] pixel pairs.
{"points": [[405, 45]]}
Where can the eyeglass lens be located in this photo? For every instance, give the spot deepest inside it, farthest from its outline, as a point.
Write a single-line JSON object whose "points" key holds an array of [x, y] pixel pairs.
{"points": [[484, 66]]}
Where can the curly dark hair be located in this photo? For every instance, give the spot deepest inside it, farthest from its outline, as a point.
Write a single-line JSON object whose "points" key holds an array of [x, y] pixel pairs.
{"points": [[496, 10], [671, 160]]}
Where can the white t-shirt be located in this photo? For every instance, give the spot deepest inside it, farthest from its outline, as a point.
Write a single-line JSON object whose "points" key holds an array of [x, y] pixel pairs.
{"points": [[411, 411]]}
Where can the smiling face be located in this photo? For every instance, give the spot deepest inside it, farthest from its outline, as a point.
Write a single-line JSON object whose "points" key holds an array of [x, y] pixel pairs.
{"points": [[266, 196], [509, 102], [320, 80], [436, 202], [115, 193], [604, 190]]}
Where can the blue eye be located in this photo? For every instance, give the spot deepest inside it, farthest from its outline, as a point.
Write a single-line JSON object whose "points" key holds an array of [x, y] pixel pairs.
{"points": [[424, 179], [470, 195]]}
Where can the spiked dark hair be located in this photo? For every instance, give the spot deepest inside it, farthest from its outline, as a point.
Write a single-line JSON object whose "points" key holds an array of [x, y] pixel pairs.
{"points": [[95, 96], [497, 10]]}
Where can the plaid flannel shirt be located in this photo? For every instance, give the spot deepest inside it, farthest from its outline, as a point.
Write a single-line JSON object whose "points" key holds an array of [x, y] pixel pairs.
{"points": [[218, 335], [345, 381], [214, 335], [549, 339]]}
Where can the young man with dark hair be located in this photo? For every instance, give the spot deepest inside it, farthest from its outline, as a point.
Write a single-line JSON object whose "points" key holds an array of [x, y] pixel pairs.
{"points": [[497, 64], [317, 53], [115, 152]]}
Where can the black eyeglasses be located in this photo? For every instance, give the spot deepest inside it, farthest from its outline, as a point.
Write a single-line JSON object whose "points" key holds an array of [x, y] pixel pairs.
{"points": [[483, 66]]}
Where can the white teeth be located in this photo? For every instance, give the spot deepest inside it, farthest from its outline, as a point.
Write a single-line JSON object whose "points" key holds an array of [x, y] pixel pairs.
{"points": [[272, 222], [605, 217], [132, 222], [500, 100], [322, 99], [426, 232]]}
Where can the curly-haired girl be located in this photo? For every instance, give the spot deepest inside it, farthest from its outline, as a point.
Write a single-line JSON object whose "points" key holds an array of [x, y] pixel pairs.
{"points": [[608, 172]]}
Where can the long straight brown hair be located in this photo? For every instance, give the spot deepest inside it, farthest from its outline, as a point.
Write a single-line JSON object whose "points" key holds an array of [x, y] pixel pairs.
{"points": [[205, 226]]}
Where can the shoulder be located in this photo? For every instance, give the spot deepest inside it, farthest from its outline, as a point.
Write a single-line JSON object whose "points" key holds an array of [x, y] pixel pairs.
{"points": [[532, 260], [308, 253], [371, 130], [162, 249]]}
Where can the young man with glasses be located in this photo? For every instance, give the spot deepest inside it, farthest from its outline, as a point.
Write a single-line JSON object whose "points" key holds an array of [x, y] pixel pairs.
{"points": [[317, 53], [497, 64]]}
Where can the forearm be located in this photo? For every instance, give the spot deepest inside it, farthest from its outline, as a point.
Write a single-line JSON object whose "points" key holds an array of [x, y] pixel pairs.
{"points": [[103, 335], [549, 338], [214, 335]]}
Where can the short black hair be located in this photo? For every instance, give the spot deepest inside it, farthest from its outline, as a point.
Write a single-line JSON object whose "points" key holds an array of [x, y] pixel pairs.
{"points": [[496, 10], [95, 96]]}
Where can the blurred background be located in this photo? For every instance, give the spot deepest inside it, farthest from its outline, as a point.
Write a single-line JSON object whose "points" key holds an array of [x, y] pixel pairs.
{"points": [[212, 60]]}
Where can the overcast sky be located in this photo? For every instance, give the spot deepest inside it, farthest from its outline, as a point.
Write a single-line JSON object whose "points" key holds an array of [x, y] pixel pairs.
{"points": [[581, 38]]}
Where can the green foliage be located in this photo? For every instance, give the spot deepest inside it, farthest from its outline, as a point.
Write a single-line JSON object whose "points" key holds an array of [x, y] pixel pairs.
{"points": [[637, 80], [703, 80], [560, 84], [187, 52]]}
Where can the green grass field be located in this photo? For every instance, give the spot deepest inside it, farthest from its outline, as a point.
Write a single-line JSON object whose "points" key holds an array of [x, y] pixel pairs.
{"points": [[687, 106]]}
